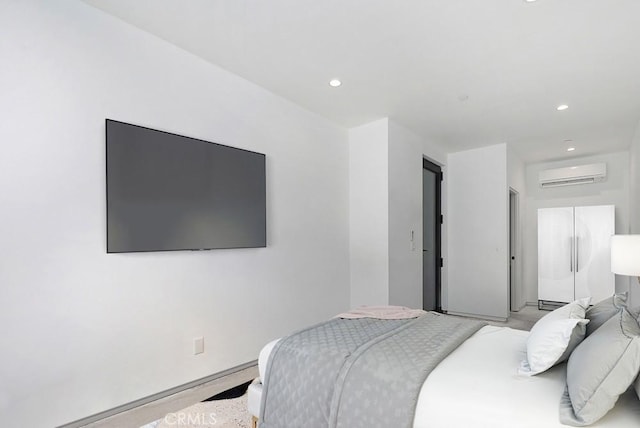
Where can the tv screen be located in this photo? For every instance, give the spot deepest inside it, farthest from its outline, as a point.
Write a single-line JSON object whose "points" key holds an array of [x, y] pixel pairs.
{"points": [[169, 192]]}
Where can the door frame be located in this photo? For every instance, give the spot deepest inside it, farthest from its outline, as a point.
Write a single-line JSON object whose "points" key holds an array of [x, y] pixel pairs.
{"points": [[514, 288], [436, 169]]}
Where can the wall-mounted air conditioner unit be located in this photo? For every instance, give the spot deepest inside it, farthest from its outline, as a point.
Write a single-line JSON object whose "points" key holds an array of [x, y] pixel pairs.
{"points": [[582, 174]]}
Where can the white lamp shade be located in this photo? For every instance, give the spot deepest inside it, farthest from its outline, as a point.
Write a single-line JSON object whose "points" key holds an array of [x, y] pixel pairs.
{"points": [[625, 255]]}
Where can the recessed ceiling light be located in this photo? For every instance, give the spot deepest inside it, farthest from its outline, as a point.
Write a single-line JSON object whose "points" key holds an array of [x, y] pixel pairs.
{"points": [[562, 107], [335, 83], [570, 149], [529, 1]]}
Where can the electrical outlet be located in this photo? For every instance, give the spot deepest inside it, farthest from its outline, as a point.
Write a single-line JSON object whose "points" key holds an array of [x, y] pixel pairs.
{"points": [[198, 345]]}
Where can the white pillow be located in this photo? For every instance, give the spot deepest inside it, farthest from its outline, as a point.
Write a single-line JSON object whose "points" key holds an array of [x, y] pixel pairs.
{"points": [[636, 313], [554, 336]]}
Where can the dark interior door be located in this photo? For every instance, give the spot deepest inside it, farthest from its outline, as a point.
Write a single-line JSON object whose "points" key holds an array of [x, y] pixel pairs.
{"points": [[432, 229]]}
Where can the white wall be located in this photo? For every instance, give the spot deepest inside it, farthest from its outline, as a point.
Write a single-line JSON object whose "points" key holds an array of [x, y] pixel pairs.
{"points": [[405, 216], [369, 213], [613, 191], [385, 173], [634, 180], [517, 182], [634, 205], [478, 197], [84, 331]]}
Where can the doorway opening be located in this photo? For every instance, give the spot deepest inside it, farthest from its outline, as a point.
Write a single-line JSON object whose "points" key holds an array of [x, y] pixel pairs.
{"points": [[431, 236]]}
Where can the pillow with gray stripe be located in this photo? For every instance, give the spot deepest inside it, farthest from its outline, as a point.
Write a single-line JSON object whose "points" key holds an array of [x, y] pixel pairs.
{"points": [[600, 369], [636, 313], [599, 313]]}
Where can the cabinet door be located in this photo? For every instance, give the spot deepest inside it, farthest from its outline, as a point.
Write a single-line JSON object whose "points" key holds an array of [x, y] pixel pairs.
{"points": [[555, 254], [594, 228]]}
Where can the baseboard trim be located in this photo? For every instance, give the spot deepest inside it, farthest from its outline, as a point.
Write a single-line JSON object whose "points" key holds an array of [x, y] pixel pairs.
{"points": [[139, 412], [520, 308], [484, 317]]}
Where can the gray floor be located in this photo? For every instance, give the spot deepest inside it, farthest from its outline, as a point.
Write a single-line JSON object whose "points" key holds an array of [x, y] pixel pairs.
{"points": [[524, 319]]}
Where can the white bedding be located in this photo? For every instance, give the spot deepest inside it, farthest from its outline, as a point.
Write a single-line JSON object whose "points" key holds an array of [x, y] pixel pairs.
{"points": [[478, 385]]}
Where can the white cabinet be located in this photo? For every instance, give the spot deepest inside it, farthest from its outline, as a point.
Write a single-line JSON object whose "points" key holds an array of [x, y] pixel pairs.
{"points": [[574, 253]]}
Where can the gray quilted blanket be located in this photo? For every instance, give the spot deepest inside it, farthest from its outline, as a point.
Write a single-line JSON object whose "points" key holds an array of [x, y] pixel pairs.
{"points": [[356, 373]]}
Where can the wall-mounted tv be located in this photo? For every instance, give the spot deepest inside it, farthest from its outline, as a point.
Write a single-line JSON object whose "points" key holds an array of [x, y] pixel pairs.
{"points": [[169, 192]]}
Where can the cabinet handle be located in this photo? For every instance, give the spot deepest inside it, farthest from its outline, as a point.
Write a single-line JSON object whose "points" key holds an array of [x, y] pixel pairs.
{"points": [[577, 254], [571, 255]]}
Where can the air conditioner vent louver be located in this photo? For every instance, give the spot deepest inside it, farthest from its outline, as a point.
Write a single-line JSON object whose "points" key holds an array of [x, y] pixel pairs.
{"points": [[568, 182], [583, 174]]}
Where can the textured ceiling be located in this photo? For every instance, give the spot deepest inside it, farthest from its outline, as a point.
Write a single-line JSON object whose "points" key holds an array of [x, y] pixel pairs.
{"points": [[465, 73]]}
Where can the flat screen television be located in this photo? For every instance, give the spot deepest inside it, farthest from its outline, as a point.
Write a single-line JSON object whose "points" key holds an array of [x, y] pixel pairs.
{"points": [[169, 192]]}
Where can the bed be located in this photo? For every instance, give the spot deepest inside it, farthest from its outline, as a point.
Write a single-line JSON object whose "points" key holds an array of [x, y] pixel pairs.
{"points": [[479, 384]]}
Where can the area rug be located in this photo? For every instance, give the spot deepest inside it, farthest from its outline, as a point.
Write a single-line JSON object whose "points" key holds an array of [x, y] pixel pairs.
{"points": [[231, 413]]}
